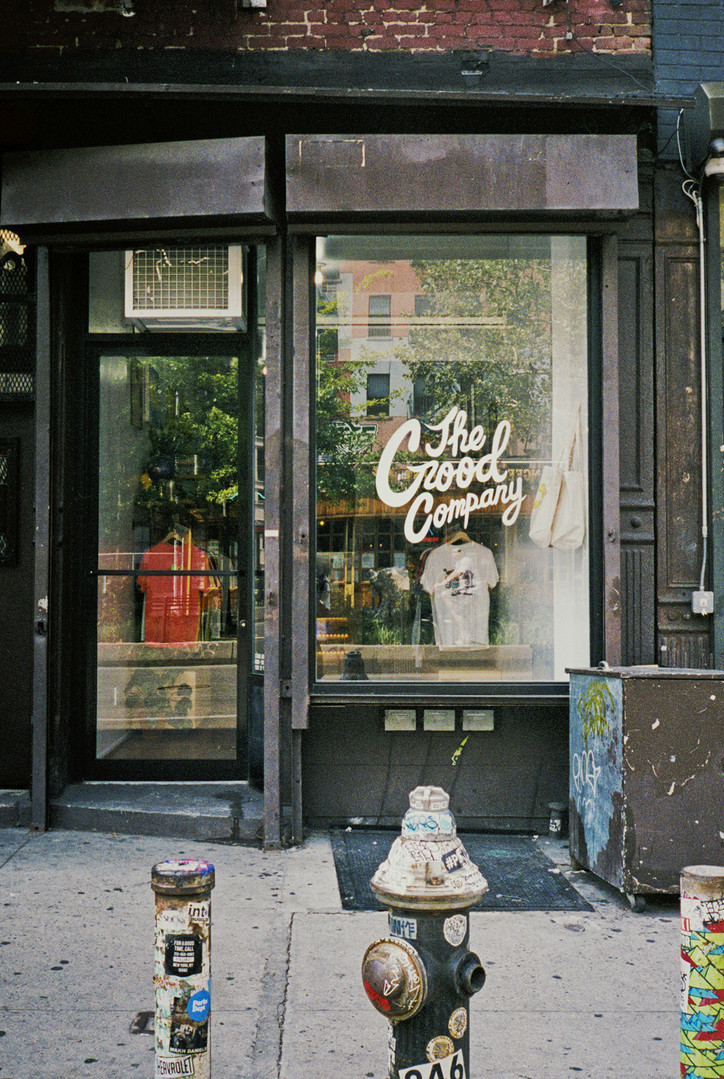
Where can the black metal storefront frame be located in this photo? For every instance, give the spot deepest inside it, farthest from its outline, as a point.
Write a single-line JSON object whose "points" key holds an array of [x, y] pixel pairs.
{"points": [[287, 695]]}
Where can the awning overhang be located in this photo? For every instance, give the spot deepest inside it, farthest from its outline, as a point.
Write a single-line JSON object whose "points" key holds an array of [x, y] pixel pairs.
{"points": [[464, 177], [210, 185]]}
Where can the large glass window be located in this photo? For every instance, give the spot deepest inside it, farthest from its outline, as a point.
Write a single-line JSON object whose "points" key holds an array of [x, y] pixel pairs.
{"points": [[451, 458]]}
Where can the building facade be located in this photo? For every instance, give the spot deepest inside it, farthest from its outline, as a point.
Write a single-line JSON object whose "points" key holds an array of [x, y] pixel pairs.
{"points": [[309, 320]]}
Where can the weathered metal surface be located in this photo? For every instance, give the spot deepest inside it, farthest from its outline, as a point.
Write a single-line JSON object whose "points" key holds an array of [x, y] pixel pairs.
{"points": [[394, 979], [354, 769], [156, 183], [42, 568], [182, 975], [596, 777], [301, 483], [702, 971], [273, 449], [422, 978], [610, 446], [646, 783], [407, 174], [428, 867], [457, 74]]}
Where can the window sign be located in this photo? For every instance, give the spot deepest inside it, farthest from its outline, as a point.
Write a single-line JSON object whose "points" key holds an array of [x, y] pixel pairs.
{"points": [[451, 458]]}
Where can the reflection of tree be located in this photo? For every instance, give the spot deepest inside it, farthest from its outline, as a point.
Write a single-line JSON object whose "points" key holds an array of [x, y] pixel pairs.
{"points": [[484, 341], [344, 446], [193, 438]]}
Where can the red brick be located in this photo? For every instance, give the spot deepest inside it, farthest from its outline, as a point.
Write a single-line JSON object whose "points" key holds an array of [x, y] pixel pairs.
{"points": [[414, 33], [401, 18]]}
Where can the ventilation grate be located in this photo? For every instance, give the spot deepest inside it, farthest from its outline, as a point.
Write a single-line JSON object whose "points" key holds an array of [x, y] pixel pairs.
{"points": [[190, 279]]}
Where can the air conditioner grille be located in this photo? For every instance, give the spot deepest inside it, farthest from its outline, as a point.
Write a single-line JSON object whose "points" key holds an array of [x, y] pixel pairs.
{"points": [[175, 279]]}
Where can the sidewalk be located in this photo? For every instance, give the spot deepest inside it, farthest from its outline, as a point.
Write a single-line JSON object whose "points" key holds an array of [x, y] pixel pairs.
{"points": [[586, 995]]}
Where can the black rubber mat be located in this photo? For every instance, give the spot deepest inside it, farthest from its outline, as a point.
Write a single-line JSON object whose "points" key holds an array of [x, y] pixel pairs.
{"points": [[519, 875]]}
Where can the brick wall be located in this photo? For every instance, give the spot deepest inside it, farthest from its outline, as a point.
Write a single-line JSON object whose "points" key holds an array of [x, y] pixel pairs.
{"points": [[521, 27], [688, 49]]}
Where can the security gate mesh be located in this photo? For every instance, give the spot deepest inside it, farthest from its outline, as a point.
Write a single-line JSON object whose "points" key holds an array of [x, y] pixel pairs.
{"points": [[17, 327]]}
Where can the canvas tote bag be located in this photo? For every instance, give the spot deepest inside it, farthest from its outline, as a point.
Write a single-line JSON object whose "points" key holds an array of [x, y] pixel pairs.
{"points": [[544, 506], [569, 520], [558, 518]]}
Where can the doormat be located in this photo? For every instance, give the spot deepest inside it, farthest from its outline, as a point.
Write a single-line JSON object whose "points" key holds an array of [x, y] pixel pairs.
{"points": [[519, 875]]}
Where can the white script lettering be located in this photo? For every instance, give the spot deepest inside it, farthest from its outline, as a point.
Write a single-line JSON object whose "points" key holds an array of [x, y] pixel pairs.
{"points": [[441, 476]]}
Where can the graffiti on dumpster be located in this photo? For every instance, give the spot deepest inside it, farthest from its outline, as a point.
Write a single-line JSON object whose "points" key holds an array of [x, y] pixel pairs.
{"points": [[596, 710], [593, 709], [702, 1004]]}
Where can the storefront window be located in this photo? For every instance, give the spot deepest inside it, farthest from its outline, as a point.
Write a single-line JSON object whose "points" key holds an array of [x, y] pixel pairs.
{"points": [[451, 458]]}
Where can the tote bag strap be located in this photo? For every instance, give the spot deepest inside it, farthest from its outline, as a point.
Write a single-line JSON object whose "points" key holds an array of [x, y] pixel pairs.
{"points": [[572, 443]]}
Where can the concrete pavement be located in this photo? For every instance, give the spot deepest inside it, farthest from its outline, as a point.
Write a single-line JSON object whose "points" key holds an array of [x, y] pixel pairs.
{"points": [[589, 995]]}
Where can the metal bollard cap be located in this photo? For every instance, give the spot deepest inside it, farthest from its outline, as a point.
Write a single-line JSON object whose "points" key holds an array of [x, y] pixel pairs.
{"points": [[182, 876]]}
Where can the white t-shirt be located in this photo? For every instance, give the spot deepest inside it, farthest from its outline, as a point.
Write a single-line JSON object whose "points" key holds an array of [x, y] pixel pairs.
{"points": [[458, 578]]}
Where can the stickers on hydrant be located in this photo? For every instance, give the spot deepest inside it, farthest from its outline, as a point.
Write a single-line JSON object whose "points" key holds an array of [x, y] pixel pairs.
{"points": [[449, 1067]]}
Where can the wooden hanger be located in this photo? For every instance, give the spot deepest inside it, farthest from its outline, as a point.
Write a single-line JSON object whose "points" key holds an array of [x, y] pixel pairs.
{"points": [[174, 536], [458, 537]]}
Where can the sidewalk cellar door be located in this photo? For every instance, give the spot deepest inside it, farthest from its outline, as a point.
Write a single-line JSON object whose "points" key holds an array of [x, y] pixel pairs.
{"points": [[177, 348]]}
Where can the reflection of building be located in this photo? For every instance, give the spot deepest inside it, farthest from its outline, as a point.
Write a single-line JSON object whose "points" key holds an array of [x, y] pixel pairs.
{"points": [[125, 427]]}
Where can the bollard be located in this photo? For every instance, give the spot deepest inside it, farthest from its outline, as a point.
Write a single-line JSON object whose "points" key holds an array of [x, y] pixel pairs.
{"points": [[558, 820], [422, 977], [702, 971], [182, 975]]}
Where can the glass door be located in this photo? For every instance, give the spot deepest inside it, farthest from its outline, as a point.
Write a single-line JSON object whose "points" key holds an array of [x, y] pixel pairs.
{"points": [[179, 549]]}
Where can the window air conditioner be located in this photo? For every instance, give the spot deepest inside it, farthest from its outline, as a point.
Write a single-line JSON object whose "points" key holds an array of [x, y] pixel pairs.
{"points": [[185, 288]]}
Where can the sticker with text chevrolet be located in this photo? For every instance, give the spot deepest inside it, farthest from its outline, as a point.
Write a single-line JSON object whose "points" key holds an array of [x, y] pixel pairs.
{"points": [[178, 1066]]}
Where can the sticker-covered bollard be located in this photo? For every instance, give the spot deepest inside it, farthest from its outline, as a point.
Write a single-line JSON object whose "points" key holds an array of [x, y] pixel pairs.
{"points": [[422, 977], [182, 976], [702, 971]]}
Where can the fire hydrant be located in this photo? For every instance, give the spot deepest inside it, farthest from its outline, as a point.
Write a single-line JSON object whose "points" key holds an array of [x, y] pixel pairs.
{"points": [[422, 977]]}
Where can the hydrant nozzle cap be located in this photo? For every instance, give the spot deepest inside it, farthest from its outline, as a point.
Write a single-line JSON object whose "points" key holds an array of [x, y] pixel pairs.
{"points": [[430, 798]]}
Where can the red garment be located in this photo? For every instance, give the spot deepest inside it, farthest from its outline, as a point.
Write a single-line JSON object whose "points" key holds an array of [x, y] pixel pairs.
{"points": [[171, 614]]}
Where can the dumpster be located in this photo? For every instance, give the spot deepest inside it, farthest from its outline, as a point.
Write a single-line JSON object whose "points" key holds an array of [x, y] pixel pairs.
{"points": [[646, 775]]}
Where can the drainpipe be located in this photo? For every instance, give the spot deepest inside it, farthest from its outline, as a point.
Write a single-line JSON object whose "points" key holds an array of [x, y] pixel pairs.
{"points": [[702, 601]]}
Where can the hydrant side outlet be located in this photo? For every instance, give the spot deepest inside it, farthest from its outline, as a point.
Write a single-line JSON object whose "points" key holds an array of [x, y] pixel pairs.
{"points": [[394, 979]]}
